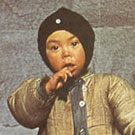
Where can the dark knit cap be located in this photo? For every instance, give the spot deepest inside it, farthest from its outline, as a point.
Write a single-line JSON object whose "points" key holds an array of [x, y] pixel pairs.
{"points": [[65, 19]]}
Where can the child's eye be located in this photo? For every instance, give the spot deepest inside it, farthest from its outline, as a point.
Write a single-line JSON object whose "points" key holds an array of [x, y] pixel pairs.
{"points": [[74, 43], [54, 48]]}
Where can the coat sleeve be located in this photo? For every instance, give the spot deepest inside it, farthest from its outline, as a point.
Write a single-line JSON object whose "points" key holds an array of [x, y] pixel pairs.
{"points": [[122, 101], [29, 104]]}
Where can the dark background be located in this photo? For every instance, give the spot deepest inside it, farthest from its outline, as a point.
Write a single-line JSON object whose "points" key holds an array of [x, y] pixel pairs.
{"points": [[113, 22]]}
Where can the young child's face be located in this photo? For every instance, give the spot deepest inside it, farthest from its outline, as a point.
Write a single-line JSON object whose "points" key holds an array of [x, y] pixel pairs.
{"points": [[63, 49]]}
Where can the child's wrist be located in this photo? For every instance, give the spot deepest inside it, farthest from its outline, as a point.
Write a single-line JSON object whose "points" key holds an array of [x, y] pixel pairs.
{"points": [[47, 89]]}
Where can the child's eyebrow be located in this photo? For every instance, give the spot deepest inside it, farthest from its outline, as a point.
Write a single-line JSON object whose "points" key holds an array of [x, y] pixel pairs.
{"points": [[72, 37], [52, 41]]}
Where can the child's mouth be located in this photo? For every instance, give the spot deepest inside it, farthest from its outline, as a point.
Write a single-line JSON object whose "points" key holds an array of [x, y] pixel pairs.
{"points": [[69, 65]]}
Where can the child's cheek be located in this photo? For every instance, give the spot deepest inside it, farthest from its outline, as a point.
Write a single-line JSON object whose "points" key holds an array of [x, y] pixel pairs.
{"points": [[55, 62]]}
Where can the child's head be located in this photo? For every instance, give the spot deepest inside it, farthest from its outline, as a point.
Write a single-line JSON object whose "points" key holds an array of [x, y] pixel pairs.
{"points": [[68, 23], [63, 49]]}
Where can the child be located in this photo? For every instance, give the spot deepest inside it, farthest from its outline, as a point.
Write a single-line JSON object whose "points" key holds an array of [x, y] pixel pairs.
{"points": [[73, 101]]}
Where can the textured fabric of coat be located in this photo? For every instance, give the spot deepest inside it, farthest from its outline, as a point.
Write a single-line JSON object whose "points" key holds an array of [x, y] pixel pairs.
{"points": [[110, 107]]}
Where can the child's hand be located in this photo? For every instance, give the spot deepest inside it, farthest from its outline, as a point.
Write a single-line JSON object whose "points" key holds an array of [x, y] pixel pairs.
{"points": [[58, 79]]}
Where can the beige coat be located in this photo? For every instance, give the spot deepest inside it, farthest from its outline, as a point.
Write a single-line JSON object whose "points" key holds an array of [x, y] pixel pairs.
{"points": [[110, 105]]}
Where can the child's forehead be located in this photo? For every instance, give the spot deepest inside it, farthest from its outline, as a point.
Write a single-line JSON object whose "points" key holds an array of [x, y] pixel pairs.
{"points": [[58, 32], [61, 34]]}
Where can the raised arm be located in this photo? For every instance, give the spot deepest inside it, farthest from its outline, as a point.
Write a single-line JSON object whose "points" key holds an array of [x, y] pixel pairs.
{"points": [[29, 103]]}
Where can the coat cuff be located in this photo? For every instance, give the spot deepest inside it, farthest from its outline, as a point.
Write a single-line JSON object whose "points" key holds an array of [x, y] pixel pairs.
{"points": [[41, 90]]}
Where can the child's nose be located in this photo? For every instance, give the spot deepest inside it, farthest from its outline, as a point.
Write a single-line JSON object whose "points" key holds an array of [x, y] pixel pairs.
{"points": [[66, 52]]}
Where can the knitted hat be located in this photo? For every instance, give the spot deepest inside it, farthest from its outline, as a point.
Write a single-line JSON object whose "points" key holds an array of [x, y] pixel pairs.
{"points": [[65, 19]]}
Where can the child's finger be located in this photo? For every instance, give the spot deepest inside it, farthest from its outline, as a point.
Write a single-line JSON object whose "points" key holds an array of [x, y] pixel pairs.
{"points": [[68, 72], [59, 85], [60, 77], [65, 78], [72, 68]]}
